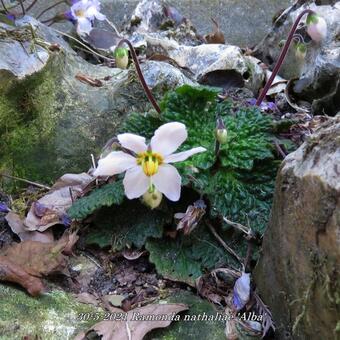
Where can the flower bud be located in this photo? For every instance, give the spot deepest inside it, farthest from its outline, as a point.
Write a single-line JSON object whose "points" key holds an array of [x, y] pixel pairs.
{"points": [[121, 55], [300, 51], [152, 198], [221, 132], [241, 291], [316, 27]]}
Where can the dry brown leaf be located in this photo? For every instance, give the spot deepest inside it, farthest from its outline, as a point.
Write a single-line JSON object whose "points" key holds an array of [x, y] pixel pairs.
{"points": [[37, 258], [18, 227], [70, 239], [131, 254], [12, 272], [132, 329], [215, 37], [57, 201], [88, 299]]}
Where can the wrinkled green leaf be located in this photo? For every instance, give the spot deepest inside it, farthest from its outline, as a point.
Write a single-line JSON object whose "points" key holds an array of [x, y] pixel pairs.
{"points": [[128, 224], [187, 258], [105, 196]]}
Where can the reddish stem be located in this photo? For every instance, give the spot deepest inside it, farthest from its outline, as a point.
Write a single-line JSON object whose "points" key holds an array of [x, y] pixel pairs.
{"points": [[282, 56], [140, 74]]}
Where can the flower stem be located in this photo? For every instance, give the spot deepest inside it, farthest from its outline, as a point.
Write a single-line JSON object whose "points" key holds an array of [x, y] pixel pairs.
{"points": [[140, 74], [282, 56]]}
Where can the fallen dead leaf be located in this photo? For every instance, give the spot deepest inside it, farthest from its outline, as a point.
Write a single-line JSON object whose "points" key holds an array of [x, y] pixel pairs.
{"points": [[88, 299], [133, 329], [49, 209], [26, 262], [215, 37], [37, 258], [131, 254], [18, 227], [12, 272]]}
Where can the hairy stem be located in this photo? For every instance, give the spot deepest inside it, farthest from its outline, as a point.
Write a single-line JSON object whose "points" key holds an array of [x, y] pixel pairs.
{"points": [[140, 74], [281, 57]]}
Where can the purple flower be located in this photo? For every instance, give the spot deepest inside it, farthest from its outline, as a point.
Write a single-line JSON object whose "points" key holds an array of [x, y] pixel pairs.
{"points": [[39, 209], [265, 106], [84, 12], [3, 208], [69, 16], [10, 16], [251, 102], [65, 220]]}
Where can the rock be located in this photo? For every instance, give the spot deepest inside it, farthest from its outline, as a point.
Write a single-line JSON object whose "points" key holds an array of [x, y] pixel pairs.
{"points": [[239, 29], [55, 110], [57, 315], [319, 73], [298, 273], [212, 64]]}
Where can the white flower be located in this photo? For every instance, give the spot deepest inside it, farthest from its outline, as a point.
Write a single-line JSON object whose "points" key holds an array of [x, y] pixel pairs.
{"points": [[316, 27], [151, 165], [84, 12]]}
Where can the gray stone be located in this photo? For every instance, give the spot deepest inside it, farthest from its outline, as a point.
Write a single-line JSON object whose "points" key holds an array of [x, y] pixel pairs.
{"points": [[298, 273], [212, 64], [61, 117], [244, 23], [318, 75]]}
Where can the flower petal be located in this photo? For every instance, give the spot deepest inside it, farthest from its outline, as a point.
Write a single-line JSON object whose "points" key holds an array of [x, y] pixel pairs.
{"points": [[115, 163], [136, 183], [168, 181], [168, 138], [99, 16], [182, 156], [132, 142], [84, 26]]}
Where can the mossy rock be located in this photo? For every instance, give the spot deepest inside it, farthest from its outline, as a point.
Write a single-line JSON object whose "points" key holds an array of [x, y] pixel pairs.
{"points": [[198, 330], [54, 315], [50, 119]]}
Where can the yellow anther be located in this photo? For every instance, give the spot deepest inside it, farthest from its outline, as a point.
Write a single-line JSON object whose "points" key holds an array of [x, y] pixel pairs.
{"points": [[150, 161]]}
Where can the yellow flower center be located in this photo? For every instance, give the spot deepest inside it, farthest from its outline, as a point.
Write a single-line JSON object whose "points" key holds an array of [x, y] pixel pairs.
{"points": [[150, 161], [80, 13]]}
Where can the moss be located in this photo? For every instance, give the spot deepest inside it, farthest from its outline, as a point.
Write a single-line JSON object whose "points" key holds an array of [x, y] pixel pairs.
{"points": [[26, 126], [199, 330], [51, 316]]}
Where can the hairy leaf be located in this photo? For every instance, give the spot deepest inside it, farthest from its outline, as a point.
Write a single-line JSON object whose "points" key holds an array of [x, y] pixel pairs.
{"points": [[129, 224], [105, 196], [187, 258]]}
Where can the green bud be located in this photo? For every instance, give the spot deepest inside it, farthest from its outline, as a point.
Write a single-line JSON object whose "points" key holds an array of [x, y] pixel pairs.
{"points": [[152, 198], [300, 50], [121, 55], [221, 132], [312, 18]]}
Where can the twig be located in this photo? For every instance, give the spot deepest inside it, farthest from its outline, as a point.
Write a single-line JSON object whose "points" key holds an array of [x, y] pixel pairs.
{"points": [[3, 5], [113, 26], [31, 5], [279, 150], [85, 46], [220, 240], [281, 57], [140, 74], [27, 181], [22, 7], [238, 226], [50, 7]]}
